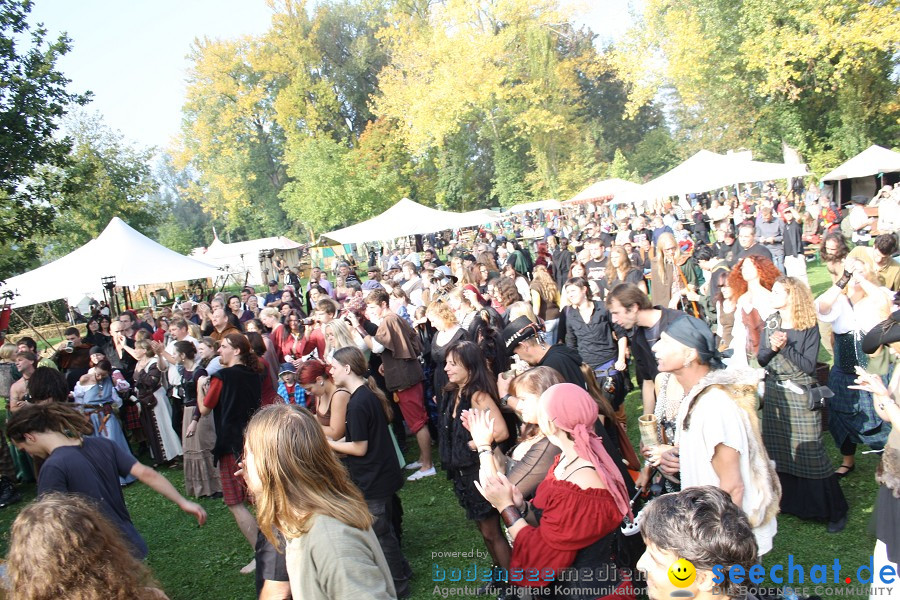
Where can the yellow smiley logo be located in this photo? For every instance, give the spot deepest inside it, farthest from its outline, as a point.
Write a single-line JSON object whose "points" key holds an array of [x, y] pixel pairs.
{"points": [[682, 573]]}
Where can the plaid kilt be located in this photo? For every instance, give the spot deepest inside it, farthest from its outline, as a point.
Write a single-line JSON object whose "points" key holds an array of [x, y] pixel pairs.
{"points": [[234, 489], [131, 417], [851, 413], [793, 434]]}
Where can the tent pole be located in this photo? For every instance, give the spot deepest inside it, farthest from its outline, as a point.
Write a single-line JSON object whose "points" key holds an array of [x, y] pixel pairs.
{"points": [[27, 322], [46, 306]]}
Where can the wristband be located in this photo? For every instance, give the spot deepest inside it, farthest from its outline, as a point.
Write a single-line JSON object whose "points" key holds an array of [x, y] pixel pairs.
{"points": [[510, 515], [505, 399], [844, 280], [525, 510]]}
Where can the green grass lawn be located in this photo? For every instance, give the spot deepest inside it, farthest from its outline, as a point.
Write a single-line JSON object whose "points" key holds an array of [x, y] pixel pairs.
{"points": [[202, 563]]}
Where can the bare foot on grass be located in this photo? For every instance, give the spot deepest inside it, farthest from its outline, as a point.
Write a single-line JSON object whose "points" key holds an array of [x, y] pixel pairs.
{"points": [[249, 568]]}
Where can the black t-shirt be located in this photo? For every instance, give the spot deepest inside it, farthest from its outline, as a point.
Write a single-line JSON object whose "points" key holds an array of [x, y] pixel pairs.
{"points": [[93, 470], [757, 249], [377, 474], [638, 236], [595, 270]]}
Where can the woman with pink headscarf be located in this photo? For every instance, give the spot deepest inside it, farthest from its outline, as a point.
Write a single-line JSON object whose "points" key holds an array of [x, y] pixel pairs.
{"points": [[570, 527]]}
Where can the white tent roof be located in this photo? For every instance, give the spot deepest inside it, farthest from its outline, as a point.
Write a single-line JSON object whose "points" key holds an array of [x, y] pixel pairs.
{"points": [[250, 249], [601, 190], [871, 161], [707, 170], [536, 205], [409, 218], [119, 251]]}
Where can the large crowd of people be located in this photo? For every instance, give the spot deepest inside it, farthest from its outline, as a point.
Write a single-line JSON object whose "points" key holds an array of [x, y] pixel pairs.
{"points": [[514, 355]]}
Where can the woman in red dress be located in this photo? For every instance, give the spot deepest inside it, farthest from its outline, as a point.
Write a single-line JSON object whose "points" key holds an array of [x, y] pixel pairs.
{"points": [[570, 526]]}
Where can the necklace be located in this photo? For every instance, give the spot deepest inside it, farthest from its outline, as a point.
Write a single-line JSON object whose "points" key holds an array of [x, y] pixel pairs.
{"points": [[566, 467]]}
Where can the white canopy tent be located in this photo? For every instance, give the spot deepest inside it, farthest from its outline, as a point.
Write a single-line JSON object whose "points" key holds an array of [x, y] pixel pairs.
{"points": [[119, 251], [409, 218], [707, 171], [607, 189], [874, 160], [861, 171], [536, 205], [242, 258]]}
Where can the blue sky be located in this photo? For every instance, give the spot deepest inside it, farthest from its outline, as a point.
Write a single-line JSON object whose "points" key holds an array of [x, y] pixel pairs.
{"points": [[131, 53]]}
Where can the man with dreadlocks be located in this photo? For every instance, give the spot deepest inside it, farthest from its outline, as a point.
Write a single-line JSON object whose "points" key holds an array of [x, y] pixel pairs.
{"points": [[90, 466]]}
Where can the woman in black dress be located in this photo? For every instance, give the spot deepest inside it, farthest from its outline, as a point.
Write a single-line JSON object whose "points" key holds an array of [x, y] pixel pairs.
{"points": [[471, 385], [448, 333]]}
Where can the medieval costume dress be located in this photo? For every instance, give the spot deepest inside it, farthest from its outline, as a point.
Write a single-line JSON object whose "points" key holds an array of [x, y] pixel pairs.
{"points": [[668, 279], [793, 433], [851, 417], [156, 414], [750, 315], [201, 477], [98, 401]]}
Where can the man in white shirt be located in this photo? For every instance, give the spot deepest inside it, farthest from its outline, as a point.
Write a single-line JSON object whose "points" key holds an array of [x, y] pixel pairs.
{"points": [[414, 284], [860, 223]]}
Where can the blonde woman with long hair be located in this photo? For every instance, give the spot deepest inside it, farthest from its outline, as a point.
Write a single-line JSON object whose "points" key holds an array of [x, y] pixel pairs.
{"points": [[339, 335], [305, 494], [788, 349], [545, 301], [61, 546], [673, 275]]}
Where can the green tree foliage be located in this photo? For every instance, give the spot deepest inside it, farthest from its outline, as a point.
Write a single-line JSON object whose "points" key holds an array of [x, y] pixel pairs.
{"points": [[330, 186], [113, 179], [818, 74], [232, 140], [359, 103], [655, 154], [186, 226], [620, 169], [33, 99]]}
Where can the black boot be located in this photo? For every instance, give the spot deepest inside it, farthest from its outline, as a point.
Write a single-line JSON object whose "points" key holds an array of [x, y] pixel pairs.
{"points": [[8, 492]]}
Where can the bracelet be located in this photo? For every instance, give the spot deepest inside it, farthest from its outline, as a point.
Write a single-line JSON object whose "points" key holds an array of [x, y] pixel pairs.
{"points": [[488, 451], [510, 515], [505, 399], [525, 510]]}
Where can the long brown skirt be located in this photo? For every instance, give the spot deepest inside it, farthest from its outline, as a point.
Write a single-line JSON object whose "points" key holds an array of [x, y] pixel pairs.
{"points": [[201, 477]]}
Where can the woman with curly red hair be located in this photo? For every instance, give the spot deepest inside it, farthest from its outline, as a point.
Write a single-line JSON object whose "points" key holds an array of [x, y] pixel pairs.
{"points": [[751, 283]]}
